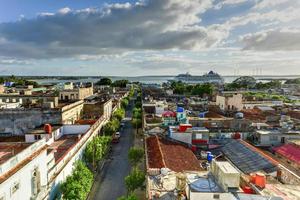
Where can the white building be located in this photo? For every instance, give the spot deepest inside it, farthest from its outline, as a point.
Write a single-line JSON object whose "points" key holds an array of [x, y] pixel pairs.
{"points": [[274, 137], [35, 170], [230, 102], [23, 170]]}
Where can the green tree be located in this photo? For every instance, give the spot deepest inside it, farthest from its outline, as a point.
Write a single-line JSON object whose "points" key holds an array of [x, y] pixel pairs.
{"points": [[124, 103], [293, 81], [120, 83], [137, 123], [135, 155], [137, 113], [201, 89], [130, 197], [97, 148], [134, 180], [178, 87], [119, 114], [78, 184], [111, 127], [104, 81]]}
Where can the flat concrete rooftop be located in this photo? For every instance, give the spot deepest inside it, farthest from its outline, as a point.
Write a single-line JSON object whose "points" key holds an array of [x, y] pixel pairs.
{"points": [[62, 146], [9, 150]]}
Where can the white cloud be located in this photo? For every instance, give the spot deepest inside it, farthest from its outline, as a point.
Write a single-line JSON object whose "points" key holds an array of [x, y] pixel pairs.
{"points": [[223, 3], [278, 39], [262, 4], [64, 11], [153, 24]]}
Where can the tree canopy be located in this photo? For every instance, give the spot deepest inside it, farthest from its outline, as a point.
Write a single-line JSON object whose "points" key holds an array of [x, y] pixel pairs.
{"points": [[135, 155], [129, 197], [18, 81], [186, 89], [78, 184], [120, 83], [97, 148], [293, 81], [119, 114], [134, 180], [104, 81]]}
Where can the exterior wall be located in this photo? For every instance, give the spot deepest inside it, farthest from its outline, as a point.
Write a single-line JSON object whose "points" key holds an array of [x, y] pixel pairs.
{"points": [[220, 101], [72, 112], [2, 89], [234, 102], [28, 99], [107, 109], [65, 167], [75, 129], [18, 121], [167, 121], [68, 86], [23, 178], [10, 105], [210, 196], [30, 138], [85, 92], [275, 139], [76, 94], [96, 110]]}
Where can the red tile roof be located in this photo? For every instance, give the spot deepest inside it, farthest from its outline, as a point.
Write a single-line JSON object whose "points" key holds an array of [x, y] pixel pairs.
{"points": [[163, 153], [289, 151]]}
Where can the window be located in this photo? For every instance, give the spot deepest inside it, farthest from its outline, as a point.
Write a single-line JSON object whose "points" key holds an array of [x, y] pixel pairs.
{"points": [[216, 196], [37, 137], [273, 138], [15, 187]]}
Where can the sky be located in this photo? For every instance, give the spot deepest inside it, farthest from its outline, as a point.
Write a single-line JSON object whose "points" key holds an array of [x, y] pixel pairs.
{"points": [[149, 37]]}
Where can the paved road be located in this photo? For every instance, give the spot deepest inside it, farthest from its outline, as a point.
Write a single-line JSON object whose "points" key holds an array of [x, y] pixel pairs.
{"points": [[109, 184]]}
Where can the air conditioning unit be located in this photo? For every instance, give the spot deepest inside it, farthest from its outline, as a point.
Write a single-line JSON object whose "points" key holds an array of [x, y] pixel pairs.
{"points": [[227, 176]]}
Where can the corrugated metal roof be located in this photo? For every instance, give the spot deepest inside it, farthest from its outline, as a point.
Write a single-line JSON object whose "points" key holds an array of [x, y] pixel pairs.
{"points": [[246, 159], [289, 151]]}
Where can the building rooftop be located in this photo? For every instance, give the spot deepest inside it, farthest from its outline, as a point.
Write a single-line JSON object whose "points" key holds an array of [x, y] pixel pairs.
{"points": [[9, 150], [12, 138], [166, 154], [289, 151], [285, 191], [204, 184], [41, 130], [247, 158], [62, 146]]}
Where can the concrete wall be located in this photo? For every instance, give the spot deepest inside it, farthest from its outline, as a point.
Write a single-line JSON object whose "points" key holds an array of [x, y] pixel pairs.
{"points": [[20, 120], [75, 129], [72, 112], [23, 178], [234, 102], [76, 94], [28, 99]]}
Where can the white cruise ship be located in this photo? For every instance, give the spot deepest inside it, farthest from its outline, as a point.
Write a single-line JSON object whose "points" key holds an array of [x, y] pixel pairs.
{"points": [[210, 77]]}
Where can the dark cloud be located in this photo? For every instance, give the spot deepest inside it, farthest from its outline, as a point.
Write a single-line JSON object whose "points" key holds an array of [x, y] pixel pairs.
{"points": [[153, 24]]}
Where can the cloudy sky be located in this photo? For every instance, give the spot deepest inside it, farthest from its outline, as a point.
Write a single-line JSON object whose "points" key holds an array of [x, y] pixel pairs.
{"points": [[149, 37]]}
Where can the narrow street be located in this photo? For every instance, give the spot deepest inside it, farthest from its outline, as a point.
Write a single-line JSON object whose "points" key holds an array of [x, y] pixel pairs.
{"points": [[109, 183]]}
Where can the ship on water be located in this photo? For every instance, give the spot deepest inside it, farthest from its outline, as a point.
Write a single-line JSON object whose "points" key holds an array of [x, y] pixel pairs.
{"points": [[210, 77]]}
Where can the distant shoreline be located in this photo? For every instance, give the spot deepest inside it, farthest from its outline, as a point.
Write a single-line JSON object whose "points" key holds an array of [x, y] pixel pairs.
{"points": [[144, 76]]}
